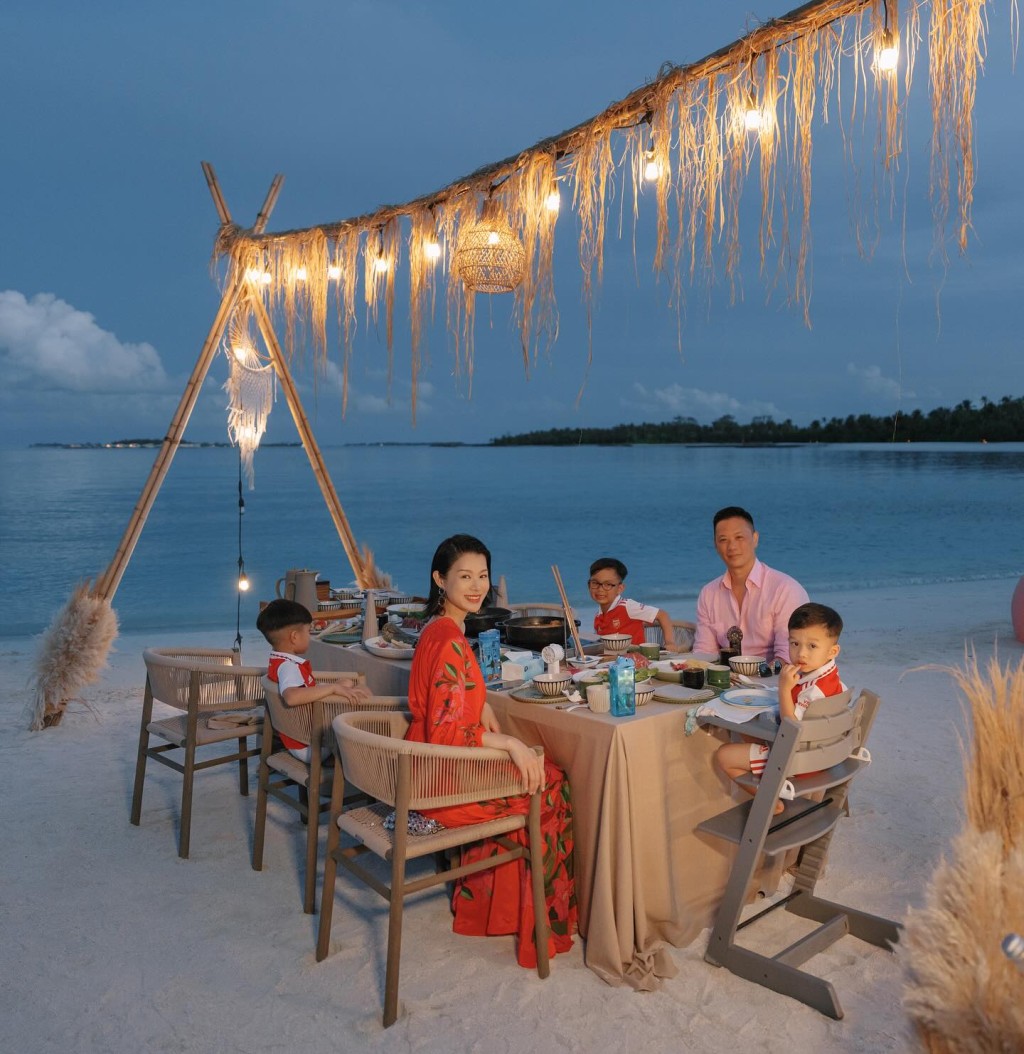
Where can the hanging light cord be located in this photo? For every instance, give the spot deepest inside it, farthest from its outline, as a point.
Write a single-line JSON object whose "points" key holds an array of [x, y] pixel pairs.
{"points": [[241, 562]]}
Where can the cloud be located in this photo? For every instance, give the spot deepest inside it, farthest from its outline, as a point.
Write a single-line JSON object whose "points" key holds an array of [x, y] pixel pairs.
{"points": [[377, 402], [46, 344], [874, 383], [704, 406]]}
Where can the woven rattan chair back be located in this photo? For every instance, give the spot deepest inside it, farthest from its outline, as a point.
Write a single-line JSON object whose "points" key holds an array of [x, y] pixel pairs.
{"points": [[304, 785], [200, 683], [685, 634], [373, 755]]}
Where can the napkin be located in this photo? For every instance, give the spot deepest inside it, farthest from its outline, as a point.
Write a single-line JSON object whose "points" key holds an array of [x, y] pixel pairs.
{"points": [[235, 719]]}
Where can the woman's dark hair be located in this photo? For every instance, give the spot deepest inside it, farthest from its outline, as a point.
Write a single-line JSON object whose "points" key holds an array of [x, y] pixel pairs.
{"points": [[444, 556]]}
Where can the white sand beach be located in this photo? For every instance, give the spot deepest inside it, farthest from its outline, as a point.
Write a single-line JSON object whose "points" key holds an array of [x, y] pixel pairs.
{"points": [[110, 943]]}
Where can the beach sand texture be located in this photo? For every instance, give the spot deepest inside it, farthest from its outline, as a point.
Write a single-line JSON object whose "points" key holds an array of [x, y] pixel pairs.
{"points": [[110, 943]]}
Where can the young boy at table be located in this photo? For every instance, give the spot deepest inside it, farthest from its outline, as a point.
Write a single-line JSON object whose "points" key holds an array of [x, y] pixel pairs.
{"points": [[607, 583], [285, 625], [810, 674]]}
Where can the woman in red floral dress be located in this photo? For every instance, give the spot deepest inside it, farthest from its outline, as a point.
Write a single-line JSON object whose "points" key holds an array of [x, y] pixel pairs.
{"points": [[449, 705]]}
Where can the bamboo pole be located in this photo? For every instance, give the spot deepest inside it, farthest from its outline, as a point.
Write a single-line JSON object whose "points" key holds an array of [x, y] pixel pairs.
{"points": [[309, 443], [568, 611], [107, 583]]}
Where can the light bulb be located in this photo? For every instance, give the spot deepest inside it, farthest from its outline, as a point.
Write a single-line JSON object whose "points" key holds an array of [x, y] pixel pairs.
{"points": [[752, 117], [334, 273], [300, 274], [243, 583], [254, 274], [240, 353], [652, 167], [381, 264], [432, 249], [266, 278], [492, 238], [553, 201], [887, 56]]}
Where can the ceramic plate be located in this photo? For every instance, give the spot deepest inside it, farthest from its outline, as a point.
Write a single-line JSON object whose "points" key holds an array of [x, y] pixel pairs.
{"points": [[749, 697], [379, 646]]}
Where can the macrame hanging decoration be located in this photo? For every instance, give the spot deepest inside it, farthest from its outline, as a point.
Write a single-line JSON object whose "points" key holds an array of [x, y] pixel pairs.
{"points": [[489, 257], [251, 392]]}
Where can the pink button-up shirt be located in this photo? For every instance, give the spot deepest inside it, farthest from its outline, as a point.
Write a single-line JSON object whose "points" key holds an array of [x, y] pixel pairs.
{"points": [[770, 599]]}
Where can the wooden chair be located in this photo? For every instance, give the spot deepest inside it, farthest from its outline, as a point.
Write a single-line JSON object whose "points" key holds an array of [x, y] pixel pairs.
{"points": [[201, 683], [818, 756], [288, 779], [685, 633], [373, 756]]}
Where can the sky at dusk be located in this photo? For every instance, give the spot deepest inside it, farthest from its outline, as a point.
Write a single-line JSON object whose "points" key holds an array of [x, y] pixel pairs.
{"points": [[107, 227]]}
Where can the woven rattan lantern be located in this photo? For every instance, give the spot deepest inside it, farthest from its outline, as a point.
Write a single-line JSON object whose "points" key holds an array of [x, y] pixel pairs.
{"points": [[489, 257]]}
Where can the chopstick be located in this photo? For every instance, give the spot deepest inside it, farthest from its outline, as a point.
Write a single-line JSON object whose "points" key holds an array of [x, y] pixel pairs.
{"points": [[568, 611]]}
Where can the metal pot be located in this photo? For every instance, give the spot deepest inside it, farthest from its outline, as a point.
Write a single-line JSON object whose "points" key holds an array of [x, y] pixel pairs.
{"points": [[536, 631], [485, 618]]}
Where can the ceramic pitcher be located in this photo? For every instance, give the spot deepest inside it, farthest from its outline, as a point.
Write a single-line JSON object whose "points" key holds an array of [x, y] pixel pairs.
{"points": [[300, 586]]}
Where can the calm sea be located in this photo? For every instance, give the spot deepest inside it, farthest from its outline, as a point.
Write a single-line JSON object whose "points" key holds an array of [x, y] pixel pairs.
{"points": [[836, 517]]}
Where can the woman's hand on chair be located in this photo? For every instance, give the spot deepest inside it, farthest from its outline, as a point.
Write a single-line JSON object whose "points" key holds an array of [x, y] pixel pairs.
{"points": [[529, 763], [489, 720]]}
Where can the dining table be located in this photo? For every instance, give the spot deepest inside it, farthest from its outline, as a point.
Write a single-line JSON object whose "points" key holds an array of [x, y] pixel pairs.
{"points": [[383, 676], [645, 878]]}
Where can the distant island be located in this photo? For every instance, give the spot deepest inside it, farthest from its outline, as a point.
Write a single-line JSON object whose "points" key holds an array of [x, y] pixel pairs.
{"points": [[137, 444], [988, 422]]}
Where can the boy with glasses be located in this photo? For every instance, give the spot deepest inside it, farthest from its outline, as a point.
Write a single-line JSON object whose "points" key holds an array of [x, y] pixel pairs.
{"points": [[617, 614]]}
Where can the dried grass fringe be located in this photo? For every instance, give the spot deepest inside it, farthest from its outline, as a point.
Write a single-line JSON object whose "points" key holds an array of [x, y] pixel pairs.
{"points": [[692, 116], [72, 653], [962, 993]]}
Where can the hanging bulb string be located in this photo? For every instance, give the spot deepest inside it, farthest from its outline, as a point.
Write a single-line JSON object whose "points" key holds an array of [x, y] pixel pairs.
{"points": [[241, 563]]}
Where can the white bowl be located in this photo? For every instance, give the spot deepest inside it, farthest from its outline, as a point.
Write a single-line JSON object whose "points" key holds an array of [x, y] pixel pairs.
{"points": [[644, 693], [616, 642], [750, 665], [552, 684]]}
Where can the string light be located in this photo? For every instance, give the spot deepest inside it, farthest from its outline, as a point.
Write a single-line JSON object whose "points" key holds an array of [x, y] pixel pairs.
{"points": [[888, 56], [300, 274], [243, 579], [753, 118], [381, 263], [652, 167], [553, 201], [432, 249], [334, 273]]}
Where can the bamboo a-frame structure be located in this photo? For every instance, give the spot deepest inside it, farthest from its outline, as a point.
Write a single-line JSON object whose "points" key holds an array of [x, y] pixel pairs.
{"points": [[238, 291], [75, 646]]}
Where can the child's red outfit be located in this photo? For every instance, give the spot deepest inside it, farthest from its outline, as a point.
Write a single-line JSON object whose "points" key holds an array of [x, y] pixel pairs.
{"points": [[818, 684], [626, 616], [446, 698], [291, 671]]}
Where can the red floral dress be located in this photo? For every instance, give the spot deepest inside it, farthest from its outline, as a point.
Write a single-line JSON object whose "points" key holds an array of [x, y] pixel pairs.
{"points": [[446, 697]]}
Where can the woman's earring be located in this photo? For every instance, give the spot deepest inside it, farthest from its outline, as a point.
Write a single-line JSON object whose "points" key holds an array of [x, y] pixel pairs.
{"points": [[440, 594]]}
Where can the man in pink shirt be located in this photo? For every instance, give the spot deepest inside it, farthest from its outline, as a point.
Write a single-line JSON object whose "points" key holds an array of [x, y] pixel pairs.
{"points": [[750, 595]]}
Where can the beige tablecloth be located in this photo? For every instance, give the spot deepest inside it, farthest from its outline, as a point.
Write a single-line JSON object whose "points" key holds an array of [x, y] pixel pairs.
{"points": [[640, 786], [383, 676]]}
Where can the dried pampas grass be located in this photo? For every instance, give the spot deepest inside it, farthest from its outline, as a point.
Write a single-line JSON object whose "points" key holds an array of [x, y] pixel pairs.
{"points": [[72, 652], [962, 993]]}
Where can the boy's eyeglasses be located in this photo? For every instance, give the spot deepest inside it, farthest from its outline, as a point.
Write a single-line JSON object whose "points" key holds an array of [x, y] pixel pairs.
{"points": [[595, 584]]}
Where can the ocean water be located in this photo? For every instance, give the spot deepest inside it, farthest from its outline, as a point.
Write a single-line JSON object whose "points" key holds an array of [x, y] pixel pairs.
{"points": [[836, 517]]}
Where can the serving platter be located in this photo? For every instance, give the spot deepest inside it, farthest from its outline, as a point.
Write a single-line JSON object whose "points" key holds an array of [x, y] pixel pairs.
{"points": [[528, 694], [677, 693], [749, 697], [379, 646]]}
